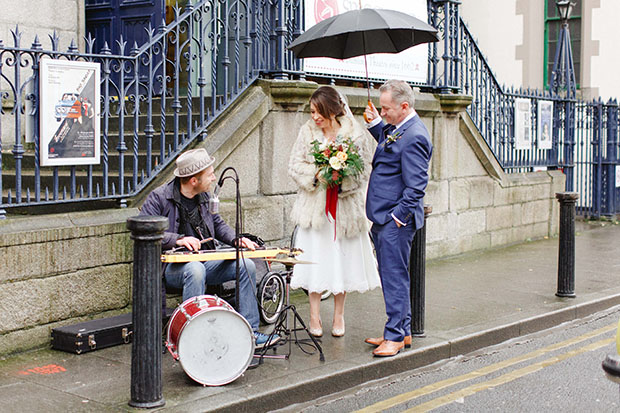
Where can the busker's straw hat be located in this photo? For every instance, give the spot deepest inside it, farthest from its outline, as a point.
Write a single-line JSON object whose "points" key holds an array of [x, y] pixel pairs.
{"points": [[192, 162]]}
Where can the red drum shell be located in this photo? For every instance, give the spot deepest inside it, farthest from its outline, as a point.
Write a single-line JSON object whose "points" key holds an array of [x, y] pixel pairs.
{"points": [[213, 343]]}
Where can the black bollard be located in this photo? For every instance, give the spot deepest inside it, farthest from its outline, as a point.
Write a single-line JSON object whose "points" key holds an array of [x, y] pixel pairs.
{"points": [[566, 255], [146, 379], [417, 276]]}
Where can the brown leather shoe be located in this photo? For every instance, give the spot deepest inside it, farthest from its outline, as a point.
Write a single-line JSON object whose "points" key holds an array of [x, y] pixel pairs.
{"points": [[389, 348], [378, 340]]}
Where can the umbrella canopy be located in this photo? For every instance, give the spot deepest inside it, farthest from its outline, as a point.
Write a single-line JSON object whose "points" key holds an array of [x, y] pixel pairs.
{"points": [[361, 32]]}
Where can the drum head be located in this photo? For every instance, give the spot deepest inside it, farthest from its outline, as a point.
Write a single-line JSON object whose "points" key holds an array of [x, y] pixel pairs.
{"points": [[216, 346]]}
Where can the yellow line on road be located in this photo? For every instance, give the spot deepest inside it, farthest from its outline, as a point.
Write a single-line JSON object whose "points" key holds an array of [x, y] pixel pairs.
{"points": [[402, 398], [506, 378]]}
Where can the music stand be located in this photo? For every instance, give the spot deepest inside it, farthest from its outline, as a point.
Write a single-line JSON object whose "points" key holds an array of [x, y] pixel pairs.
{"points": [[282, 326]]}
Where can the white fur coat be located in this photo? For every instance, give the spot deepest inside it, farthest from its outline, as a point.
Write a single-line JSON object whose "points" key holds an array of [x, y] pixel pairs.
{"points": [[309, 208]]}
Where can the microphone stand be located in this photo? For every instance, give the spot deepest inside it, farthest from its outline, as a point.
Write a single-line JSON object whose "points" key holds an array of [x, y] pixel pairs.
{"points": [[237, 242]]}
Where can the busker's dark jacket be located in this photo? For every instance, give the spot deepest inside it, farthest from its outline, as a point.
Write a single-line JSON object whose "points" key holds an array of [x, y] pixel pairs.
{"points": [[162, 202]]}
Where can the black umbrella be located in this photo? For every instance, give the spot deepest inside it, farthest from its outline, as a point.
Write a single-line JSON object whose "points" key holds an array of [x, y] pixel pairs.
{"points": [[362, 32]]}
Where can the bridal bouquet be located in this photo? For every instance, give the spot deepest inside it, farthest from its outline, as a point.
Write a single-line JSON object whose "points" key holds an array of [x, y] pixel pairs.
{"points": [[336, 160]]}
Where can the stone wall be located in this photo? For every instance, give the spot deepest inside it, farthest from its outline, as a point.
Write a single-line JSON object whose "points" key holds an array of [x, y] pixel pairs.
{"points": [[475, 204], [66, 17], [61, 269]]}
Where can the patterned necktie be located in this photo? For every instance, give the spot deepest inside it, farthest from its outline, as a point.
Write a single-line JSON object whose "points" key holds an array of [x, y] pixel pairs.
{"points": [[388, 129]]}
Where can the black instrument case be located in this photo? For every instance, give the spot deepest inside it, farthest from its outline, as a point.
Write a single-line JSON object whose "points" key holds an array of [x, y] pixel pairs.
{"points": [[95, 334]]}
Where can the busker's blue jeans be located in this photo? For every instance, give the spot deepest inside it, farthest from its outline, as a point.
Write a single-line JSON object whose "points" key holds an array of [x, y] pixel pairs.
{"points": [[193, 277]]}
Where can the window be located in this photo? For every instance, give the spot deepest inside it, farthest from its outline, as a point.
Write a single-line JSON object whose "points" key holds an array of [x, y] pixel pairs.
{"points": [[552, 31]]}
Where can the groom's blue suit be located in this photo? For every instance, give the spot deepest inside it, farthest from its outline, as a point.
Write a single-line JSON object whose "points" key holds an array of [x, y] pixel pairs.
{"points": [[396, 189]]}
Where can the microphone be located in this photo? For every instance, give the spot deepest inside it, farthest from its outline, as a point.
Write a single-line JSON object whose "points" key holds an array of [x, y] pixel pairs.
{"points": [[214, 200]]}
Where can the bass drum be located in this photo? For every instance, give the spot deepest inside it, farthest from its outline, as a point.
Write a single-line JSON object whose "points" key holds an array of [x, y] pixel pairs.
{"points": [[213, 343]]}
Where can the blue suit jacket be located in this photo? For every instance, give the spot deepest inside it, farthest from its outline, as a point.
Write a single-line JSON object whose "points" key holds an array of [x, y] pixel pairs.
{"points": [[399, 174]]}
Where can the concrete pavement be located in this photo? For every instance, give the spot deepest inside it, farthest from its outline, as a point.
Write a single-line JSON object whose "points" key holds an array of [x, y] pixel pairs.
{"points": [[472, 301]]}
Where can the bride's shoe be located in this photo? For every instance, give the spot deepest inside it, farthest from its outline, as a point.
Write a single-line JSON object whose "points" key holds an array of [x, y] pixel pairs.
{"points": [[316, 332], [338, 332]]}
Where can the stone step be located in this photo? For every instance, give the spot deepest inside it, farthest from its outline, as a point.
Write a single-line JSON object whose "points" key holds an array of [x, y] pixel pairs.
{"points": [[8, 159], [65, 180], [130, 123]]}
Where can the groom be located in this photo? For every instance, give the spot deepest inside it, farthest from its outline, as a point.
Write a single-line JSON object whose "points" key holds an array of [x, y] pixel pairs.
{"points": [[394, 203]]}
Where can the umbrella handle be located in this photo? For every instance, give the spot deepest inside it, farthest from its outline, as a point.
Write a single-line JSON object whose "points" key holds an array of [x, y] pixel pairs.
{"points": [[368, 120]]}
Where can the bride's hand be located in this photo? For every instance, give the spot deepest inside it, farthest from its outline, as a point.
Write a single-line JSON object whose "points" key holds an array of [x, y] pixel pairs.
{"points": [[318, 176]]}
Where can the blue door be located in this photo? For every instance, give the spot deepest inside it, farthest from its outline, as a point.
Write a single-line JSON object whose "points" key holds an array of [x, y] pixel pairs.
{"points": [[107, 20]]}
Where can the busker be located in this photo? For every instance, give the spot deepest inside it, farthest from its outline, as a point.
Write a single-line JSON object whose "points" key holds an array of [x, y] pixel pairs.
{"points": [[185, 202]]}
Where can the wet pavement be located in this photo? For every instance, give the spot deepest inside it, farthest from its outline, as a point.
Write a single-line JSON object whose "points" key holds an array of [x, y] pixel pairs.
{"points": [[472, 301]]}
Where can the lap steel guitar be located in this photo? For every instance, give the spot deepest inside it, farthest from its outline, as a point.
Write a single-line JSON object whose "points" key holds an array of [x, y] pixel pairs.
{"points": [[224, 254]]}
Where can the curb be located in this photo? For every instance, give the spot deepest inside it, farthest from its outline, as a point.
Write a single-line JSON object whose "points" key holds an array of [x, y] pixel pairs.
{"points": [[312, 388]]}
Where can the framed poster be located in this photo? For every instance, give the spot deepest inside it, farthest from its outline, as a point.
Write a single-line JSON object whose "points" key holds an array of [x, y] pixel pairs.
{"points": [[69, 113], [523, 124], [545, 124], [410, 65]]}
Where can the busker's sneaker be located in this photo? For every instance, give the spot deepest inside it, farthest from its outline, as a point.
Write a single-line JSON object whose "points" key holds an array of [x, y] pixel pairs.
{"points": [[262, 340]]}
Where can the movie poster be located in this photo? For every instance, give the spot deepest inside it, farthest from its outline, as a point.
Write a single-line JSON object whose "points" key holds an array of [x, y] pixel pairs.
{"points": [[523, 124], [545, 124], [410, 65], [69, 113]]}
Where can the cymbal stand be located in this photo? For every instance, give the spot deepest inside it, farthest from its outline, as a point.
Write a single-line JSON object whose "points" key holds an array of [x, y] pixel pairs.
{"points": [[283, 328]]}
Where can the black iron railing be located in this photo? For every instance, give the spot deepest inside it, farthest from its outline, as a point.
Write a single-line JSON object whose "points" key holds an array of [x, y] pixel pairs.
{"points": [[584, 135], [155, 99], [158, 98]]}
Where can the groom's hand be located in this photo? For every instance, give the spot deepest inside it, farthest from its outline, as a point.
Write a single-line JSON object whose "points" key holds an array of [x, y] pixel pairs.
{"points": [[371, 112]]}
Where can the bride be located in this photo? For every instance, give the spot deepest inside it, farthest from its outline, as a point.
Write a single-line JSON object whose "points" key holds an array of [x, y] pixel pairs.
{"points": [[341, 250]]}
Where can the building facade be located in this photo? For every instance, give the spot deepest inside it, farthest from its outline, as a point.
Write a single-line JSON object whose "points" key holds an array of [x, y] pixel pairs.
{"points": [[518, 38]]}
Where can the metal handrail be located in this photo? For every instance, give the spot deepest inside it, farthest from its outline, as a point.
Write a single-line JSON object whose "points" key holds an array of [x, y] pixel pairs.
{"points": [[156, 99]]}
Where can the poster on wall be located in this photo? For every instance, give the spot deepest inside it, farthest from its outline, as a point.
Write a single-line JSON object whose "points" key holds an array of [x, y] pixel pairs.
{"points": [[545, 124], [69, 113], [523, 132], [410, 65]]}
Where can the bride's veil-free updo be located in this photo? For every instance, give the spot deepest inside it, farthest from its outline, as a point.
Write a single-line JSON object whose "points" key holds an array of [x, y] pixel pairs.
{"points": [[328, 101]]}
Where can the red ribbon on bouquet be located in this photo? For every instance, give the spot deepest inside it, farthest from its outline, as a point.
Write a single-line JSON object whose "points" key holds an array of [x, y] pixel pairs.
{"points": [[331, 204]]}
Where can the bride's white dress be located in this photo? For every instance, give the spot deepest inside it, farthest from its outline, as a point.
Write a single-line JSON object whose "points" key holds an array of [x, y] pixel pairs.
{"points": [[341, 265]]}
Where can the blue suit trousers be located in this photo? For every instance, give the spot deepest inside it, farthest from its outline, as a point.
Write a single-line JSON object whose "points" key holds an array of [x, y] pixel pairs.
{"points": [[393, 249]]}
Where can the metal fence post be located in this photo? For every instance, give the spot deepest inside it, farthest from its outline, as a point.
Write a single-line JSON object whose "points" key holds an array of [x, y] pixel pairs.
{"points": [[569, 143], [566, 254], [446, 13], [417, 275], [281, 32], [612, 157], [146, 377]]}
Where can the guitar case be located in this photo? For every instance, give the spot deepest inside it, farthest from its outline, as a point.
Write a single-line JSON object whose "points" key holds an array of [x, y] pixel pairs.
{"points": [[96, 334]]}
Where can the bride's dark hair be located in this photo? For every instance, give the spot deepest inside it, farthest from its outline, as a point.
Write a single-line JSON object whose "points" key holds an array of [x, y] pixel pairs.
{"points": [[327, 102]]}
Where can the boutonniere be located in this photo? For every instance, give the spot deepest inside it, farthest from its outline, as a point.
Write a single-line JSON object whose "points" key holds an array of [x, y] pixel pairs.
{"points": [[390, 139]]}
